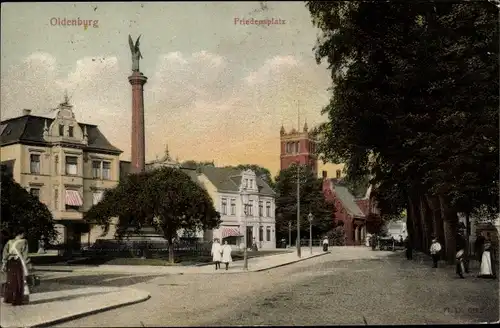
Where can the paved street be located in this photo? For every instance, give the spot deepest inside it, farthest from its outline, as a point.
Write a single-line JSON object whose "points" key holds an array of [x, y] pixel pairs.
{"points": [[319, 291]]}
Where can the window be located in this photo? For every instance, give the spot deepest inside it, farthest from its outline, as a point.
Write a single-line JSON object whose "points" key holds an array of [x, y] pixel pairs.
{"points": [[56, 199], [268, 209], [96, 169], [268, 234], [35, 164], [246, 183], [338, 173], [297, 147], [61, 130], [35, 192], [233, 206], [70, 131], [106, 170], [96, 197], [56, 164], [71, 165], [261, 233], [224, 206], [261, 208], [250, 207]]}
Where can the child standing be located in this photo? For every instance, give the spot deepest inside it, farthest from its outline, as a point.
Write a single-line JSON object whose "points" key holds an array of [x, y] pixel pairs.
{"points": [[435, 249]]}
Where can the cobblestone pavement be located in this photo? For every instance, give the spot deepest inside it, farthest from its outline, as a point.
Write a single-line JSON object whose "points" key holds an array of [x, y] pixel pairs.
{"points": [[320, 291]]}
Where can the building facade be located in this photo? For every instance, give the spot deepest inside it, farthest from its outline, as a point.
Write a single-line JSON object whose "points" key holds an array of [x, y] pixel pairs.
{"points": [[66, 164], [298, 147], [352, 212], [225, 186]]}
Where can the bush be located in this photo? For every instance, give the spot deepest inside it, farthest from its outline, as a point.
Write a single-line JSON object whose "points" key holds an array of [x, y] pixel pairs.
{"points": [[337, 236]]}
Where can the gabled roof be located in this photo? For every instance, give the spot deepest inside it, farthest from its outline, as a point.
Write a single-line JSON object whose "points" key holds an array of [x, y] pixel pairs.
{"points": [[347, 200], [126, 168], [28, 129], [229, 179]]}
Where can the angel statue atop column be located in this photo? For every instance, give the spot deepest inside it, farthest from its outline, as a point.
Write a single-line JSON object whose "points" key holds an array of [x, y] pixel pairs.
{"points": [[136, 53]]}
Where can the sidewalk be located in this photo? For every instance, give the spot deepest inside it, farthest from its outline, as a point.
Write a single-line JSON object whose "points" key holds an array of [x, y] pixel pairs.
{"points": [[46, 309], [254, 265]]}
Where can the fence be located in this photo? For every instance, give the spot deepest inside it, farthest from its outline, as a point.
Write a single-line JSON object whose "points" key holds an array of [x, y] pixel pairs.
{"points": [[139, 248]]}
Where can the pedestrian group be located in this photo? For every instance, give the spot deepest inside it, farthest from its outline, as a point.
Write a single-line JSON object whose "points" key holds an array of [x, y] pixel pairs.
{"points": [[221, 254]]}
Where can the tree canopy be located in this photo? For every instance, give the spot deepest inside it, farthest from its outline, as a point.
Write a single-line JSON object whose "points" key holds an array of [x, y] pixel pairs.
{"points": [[260, 171], [166, 198], [20, 209], [312, 201], [415, 105]]}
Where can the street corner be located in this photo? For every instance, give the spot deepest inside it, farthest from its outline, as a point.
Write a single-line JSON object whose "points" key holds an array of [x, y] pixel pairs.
{"points": [[50, 308]]}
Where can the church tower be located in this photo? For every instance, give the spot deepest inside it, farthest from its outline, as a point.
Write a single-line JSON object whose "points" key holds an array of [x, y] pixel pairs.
{"points": [[298, 146]]}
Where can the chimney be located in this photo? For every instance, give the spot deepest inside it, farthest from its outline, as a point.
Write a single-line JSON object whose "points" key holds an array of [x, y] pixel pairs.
{"points": [[26, 111], [325, 174]]}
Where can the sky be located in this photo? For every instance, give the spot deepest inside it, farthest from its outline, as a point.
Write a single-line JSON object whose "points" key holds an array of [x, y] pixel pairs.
{"points": [[217, 90]]}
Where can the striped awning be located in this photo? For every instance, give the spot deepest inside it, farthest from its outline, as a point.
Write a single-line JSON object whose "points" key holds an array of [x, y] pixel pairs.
{"points": [[73, 198], [97, 197], [230, 232]]}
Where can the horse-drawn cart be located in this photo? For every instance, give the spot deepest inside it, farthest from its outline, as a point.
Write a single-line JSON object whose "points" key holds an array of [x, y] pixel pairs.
{"points": [[387, 244]]}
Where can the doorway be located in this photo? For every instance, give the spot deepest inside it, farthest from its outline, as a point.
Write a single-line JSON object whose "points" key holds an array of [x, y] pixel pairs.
{"points": [[249, 237]]}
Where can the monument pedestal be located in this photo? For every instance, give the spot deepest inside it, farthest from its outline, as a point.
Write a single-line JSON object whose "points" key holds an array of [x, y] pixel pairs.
{"points": [[138, 156]]}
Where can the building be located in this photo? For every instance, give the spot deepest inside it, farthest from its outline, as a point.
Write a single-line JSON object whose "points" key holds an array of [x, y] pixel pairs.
{"points": [[298, 147], [225, 186], [66, 164], [347, 210]]}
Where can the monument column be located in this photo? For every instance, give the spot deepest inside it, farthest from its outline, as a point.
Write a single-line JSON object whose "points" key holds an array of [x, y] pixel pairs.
{"points": [[138, 157], [137, 80]]}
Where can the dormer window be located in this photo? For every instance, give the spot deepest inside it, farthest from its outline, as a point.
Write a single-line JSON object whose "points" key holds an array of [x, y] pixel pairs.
{"points": [[246, 183], [70, 132], [251, 183], [61, 130]]}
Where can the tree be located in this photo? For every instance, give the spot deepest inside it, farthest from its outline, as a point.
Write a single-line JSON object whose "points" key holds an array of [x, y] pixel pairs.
{"points": [[260, 171], [20, 209], [194, 164], [165, 198], [312, 201], [415, 105]]}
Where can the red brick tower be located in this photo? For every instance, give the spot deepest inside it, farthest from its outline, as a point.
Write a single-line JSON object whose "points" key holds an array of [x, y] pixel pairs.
{"points": [[298, 147], [138, 158]]}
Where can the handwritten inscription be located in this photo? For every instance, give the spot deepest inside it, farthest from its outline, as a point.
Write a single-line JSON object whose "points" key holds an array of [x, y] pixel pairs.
{"points": [[462, 310]]}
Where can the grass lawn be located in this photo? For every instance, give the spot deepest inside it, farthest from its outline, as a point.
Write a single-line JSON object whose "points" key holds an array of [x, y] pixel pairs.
{"points": [[162, 259]]}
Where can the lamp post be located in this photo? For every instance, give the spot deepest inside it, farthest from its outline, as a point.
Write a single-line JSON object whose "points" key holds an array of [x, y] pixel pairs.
{"points": [[298, 210], [310, 217], [244, 200]]}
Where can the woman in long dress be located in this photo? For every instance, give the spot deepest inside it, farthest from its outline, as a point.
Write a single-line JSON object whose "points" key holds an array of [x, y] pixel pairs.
{"points": [[15, 261], [216, 253], [486, 270], [226, 254]]}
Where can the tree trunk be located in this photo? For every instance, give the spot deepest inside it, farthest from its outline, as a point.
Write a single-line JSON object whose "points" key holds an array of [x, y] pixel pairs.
{"points": [[450, 223], [467, 239], [437, 222], [410, 225], [424, 218], [417, 242], [170, 241]]}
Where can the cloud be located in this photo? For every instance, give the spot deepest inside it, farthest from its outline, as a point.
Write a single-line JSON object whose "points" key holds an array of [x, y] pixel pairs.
{"points": [[204, 105]]}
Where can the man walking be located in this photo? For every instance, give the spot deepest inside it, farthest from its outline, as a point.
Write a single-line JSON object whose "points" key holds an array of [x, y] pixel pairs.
{"points": [[460, 265], [409, 250], [435, 249]]}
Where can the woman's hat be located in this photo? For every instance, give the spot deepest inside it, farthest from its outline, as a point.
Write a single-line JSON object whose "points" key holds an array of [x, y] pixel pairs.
{"points": [[460, 253]]}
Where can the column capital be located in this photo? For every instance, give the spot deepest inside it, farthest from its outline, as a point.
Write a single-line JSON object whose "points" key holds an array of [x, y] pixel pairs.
{"points": [[137, 78]]}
